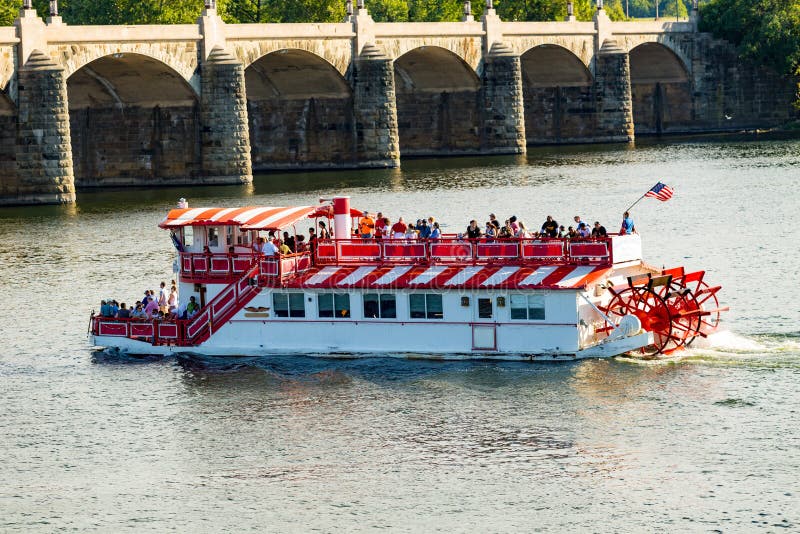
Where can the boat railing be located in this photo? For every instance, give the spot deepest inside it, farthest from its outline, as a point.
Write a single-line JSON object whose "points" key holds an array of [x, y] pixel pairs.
{"points": [[182, 332], [220, 266], [155, 331], [455, 250]]}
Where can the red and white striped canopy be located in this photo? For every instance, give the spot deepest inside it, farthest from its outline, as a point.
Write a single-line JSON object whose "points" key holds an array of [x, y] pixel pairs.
{"points": [[248, 218], [376, 277]]}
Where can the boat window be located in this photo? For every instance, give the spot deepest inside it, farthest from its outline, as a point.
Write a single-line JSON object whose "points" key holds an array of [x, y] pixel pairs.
{"points": [[484, 308], [336, 305], [213, 236], [383, 306], [425, 306], [243, 238], [188, 236], [288, 305], [527, 307], [229, 234]]}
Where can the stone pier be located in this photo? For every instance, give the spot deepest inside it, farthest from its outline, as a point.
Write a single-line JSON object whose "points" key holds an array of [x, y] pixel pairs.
{"points": [[224, 128], [43, 152], [206, 103]]}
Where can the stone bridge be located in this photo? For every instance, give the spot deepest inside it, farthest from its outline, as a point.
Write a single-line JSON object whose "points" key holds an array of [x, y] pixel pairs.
{"points": [[208, 102]]}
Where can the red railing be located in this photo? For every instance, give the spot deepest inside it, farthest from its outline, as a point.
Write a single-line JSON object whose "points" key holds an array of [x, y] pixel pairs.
{"points": [[185, 332], [157, 332], [461, 251], [221, 267]]}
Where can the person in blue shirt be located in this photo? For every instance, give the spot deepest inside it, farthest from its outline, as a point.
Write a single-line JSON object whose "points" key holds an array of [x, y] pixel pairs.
{"points": [[105, 309], [424, 229], [627, 227]]}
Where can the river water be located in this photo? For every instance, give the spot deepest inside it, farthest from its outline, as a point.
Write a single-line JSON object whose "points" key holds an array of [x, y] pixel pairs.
{"points": [[94, 442]]}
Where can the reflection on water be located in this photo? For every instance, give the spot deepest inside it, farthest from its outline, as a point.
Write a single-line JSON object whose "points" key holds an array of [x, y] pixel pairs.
{"points": [[100, 441]]}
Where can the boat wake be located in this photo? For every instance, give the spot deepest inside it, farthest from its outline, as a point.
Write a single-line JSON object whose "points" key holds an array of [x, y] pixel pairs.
{"points": [[729, 348]]}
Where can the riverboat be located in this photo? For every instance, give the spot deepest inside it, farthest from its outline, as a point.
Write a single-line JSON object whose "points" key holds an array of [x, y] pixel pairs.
{"points": [[446, 298]]}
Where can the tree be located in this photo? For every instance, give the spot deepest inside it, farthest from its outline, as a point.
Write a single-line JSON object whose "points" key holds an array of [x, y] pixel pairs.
{"points": [[766, 32]]}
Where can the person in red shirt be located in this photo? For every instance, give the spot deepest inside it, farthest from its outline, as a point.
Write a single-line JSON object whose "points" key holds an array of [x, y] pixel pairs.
{"points": [[399, 229], [380, 226]]}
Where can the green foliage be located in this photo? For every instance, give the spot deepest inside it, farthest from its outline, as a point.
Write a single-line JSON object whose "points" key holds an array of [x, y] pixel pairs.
{"points": [[765, 31], [8, 12]]}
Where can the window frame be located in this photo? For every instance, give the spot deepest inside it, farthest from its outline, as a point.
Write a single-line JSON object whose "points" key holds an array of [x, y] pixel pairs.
{"points": [[335, 299], [382, 299], [527, 307], [291, 311], [429, 313]]}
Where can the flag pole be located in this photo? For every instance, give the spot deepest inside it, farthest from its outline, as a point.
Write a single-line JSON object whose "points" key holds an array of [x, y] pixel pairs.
{"points": [[641, 197]]}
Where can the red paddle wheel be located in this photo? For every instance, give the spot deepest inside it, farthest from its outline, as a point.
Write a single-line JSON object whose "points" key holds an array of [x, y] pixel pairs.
{"points": [[675, 306]]}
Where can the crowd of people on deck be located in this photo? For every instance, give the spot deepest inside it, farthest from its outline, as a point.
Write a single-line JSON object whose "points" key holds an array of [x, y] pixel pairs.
{"points": [[162, 306], [382, 227]]}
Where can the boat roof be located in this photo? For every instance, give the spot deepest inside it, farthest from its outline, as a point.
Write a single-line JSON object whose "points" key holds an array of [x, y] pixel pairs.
{"points": [[247, 218], [377, 277]]}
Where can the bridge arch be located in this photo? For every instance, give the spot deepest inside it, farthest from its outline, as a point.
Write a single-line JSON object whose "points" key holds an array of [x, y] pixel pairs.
{"points": [[558, 93], [303, 96], [133, 120], [179, 58], [661, 90], [438, 96]]}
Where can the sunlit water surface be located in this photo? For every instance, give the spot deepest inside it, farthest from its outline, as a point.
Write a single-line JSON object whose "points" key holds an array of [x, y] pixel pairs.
{"points": [[93, 441]]}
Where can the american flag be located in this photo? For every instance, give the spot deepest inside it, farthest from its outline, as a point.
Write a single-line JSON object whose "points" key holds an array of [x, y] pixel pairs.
{"points": [[662, 192]]}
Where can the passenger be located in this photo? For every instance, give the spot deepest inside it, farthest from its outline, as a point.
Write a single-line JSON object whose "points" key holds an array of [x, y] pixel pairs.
{"points": [[283, 248], [380, 226], [399, 229], [473, 231], [289, 241], [436, 233], [172, 300], [550, 227], [260, 245], [138, 311], [323, 231], [627, 227], [272, 238], [562, 233], [270, 248], [302, 246], [114, 308], [424, 229], [312, 240], [411, 232], [366, 226], [491, 231], [162, 297], [599, 230], [571, 233], [105, 309], [505, 231], [577, 220], [494, 222], [123, 313], [514, 226], [522, 232], [151, 309], [192, 308]]}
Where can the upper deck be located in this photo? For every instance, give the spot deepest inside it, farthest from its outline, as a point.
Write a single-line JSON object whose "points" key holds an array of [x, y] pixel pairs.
{"points": [[382, 255]]}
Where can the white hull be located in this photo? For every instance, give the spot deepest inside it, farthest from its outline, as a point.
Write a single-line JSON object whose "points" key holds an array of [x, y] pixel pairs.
{"points": [[601, 350]]}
